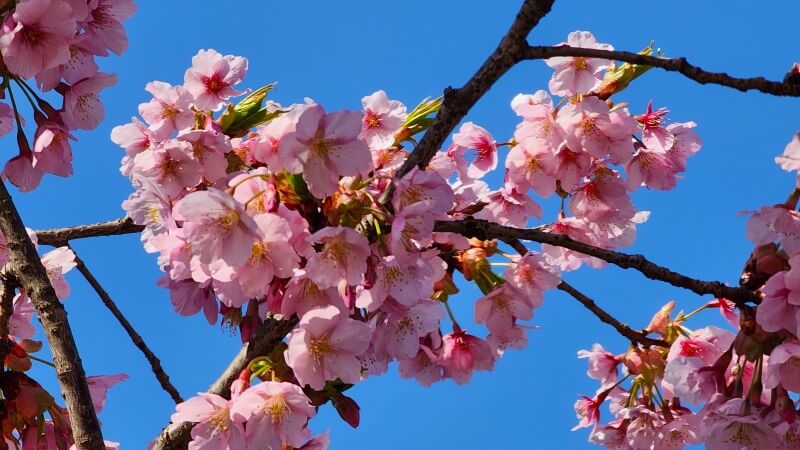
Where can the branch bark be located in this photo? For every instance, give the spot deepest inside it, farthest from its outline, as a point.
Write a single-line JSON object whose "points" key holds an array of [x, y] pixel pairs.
{"points": [[58, 237], [457, 102], [27, 268], [177, 435], [8, 290], [155, 363], [634, 336], [680, 65], [484, 230]]}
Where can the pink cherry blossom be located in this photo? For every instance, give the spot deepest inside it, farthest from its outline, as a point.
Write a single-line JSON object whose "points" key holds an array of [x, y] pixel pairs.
{"points": [[19, 325], [655, 136], [463, 354], [732, 426], [271, 255], [189, 297], [419, 186], [589, 125], [212, 76], [784, 367], [172, 165], [530, 275], [602, 364], [424, 367], [686, 143], [399, 333], [209, 148], [135, 138], [99, 386], [57, 263], [36, 36], [572, 167], [382, 119], [82, 107], [302, 295], [342, 259], [790, 159], [539, 126], [103, 25], [532, 167], [602, 199], [215, 428], [52, 152], [81, 65], [217, 226], [578, 75], [20, 172], [327, 147], [508, 207], [652, 169], [775, 224], [473, 137], [275, 414], [6, 119], [520, 102], [587, 410], [325, 346], [168, 110], [499, 309]]}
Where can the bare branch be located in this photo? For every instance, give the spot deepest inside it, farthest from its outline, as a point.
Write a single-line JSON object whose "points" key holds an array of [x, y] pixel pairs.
{"points": [[177, 435], [27, 268], [155, 363], [58, 237], [483, 229], [457, 102], [633, 335], [680, 65]]}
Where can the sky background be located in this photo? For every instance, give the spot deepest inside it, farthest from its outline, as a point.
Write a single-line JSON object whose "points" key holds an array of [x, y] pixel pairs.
{"points": [[338, 52]]}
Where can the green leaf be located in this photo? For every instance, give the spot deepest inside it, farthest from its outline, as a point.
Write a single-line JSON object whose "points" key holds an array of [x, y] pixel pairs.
{"points": [[253, 102], [248, 113]]}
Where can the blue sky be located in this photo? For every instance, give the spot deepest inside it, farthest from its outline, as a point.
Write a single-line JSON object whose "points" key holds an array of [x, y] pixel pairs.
{"points": [[338, 52]]}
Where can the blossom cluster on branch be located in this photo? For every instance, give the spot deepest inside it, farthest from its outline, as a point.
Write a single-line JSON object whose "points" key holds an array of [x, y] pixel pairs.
{"points": [[263, 210]]}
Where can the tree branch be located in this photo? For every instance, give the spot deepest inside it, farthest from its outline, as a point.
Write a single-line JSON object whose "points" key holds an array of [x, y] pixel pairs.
{"points": [[457, 102], [484, 230], [177, 435], [58, 237], [633, 335], [8, 290], [155, 363], [27, 268], [680, 65]]}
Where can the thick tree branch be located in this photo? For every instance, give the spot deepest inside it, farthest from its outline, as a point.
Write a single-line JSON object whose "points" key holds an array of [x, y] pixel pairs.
{"points": [[634, 336], [177, 435], [28, 270], [58, 237], [457, 102], [155, 363], [8, 290], [680, 65], [483, 229]]}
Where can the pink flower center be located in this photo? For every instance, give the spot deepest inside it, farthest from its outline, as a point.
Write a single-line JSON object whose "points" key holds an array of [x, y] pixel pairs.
{"points": [[320, 348], [228, 221], [691, 348], [501, 302], [258, 253], [580, 63], [169, 112], [277, 409], [32, 35], [169, 167], [221, 419], [532, 166], [213, 84], [372, 120], [321, 147]]}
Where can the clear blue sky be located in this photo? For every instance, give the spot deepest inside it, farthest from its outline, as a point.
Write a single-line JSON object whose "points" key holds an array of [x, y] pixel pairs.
{"points": [[338, 52]]}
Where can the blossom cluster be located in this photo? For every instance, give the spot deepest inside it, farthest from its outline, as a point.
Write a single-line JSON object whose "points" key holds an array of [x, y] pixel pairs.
{"points": [[32, 418], [55, 43], [728, 389], [259, 210]]}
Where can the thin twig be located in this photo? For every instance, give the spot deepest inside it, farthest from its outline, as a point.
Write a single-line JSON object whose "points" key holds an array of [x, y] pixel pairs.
{"points": [[483, 229], [155, 363], [633, 335], [27, 268], [680, 65], [177, 435]]}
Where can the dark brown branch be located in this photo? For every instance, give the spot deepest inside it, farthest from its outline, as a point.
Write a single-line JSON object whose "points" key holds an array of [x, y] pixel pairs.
{"points": [[680, 65], [483, 229], [155, 363], [457, 102], [8, 290], [58, 237], [28, 270], [177, 435], [634, 336]]}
